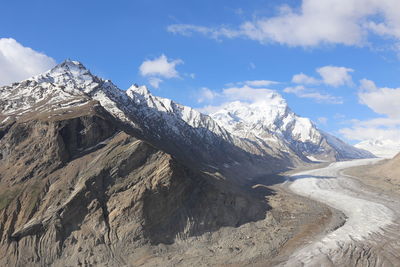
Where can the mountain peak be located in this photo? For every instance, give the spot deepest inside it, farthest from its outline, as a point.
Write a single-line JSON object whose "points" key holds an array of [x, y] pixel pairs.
{"points": [[70, 74], [141, 90], [72, 67]]}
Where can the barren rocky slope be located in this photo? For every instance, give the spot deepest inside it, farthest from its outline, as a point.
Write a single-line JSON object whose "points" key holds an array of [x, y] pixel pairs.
{"points": [[77, 190], [390, 170], [384, 174]]}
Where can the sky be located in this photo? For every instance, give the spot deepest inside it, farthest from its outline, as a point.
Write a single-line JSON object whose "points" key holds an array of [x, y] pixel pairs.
{"points": [[334, 61]]}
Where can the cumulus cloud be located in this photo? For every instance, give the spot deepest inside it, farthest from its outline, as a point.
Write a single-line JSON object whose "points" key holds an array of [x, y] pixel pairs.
{"points": [[18, 62], [159, 68], [240, 92], [315, 22], [329, 75], [247, 93], [302, 78], [259, 83], [371, 133], [384, 101], [253, 83], [336, 76], [155, 82], [206, 94], [303, 92]]}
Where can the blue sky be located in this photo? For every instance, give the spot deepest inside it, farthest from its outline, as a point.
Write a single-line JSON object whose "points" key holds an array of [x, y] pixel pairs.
{"points": [[196, 49]]}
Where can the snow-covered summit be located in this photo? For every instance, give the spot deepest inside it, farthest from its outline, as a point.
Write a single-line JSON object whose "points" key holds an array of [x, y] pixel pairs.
{"points": [[271, 116], [383, 148], [70, 74], [271, 120], [173, 111]]}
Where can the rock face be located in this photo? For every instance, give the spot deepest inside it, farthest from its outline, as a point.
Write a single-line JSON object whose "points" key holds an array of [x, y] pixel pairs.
{"points": [[77, 190], [89, 172]]}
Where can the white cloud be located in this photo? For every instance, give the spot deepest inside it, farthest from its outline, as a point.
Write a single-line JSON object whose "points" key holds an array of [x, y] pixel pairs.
{"points": [[241, 92], [206, 95], [330, 75], [253, 83], [304, 92], [302, 78], [315, 22], [371, 133], [336, 76], [155, 82], [18, 62], [161, 66], [259, 83], [384, 101], [247, 93]]}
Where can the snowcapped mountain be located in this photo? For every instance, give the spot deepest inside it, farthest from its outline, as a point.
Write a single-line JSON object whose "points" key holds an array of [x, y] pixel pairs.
{"points": [[272, 121], [177, 129], [262, 137], [380, 148]]}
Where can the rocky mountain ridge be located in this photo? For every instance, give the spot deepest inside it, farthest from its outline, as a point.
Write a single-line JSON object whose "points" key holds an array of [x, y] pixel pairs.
{"points": [[277, 133]]}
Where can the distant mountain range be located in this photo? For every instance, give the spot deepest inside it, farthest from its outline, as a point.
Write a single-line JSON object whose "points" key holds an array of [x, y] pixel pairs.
{"points": [[380, 147]]}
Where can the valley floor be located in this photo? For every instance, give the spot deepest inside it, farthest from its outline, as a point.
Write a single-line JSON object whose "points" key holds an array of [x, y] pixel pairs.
{"points": [[292, 222], [369, 237], [319, 217]]}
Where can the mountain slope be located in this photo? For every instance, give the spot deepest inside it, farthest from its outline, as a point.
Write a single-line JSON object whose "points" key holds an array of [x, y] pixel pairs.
{"points": [[75, 189], [389, 170], [272, 121]]}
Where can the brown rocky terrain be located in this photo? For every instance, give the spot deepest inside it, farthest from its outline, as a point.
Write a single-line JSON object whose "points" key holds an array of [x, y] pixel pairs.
{"points": [[77, 190], [385, 174]]}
